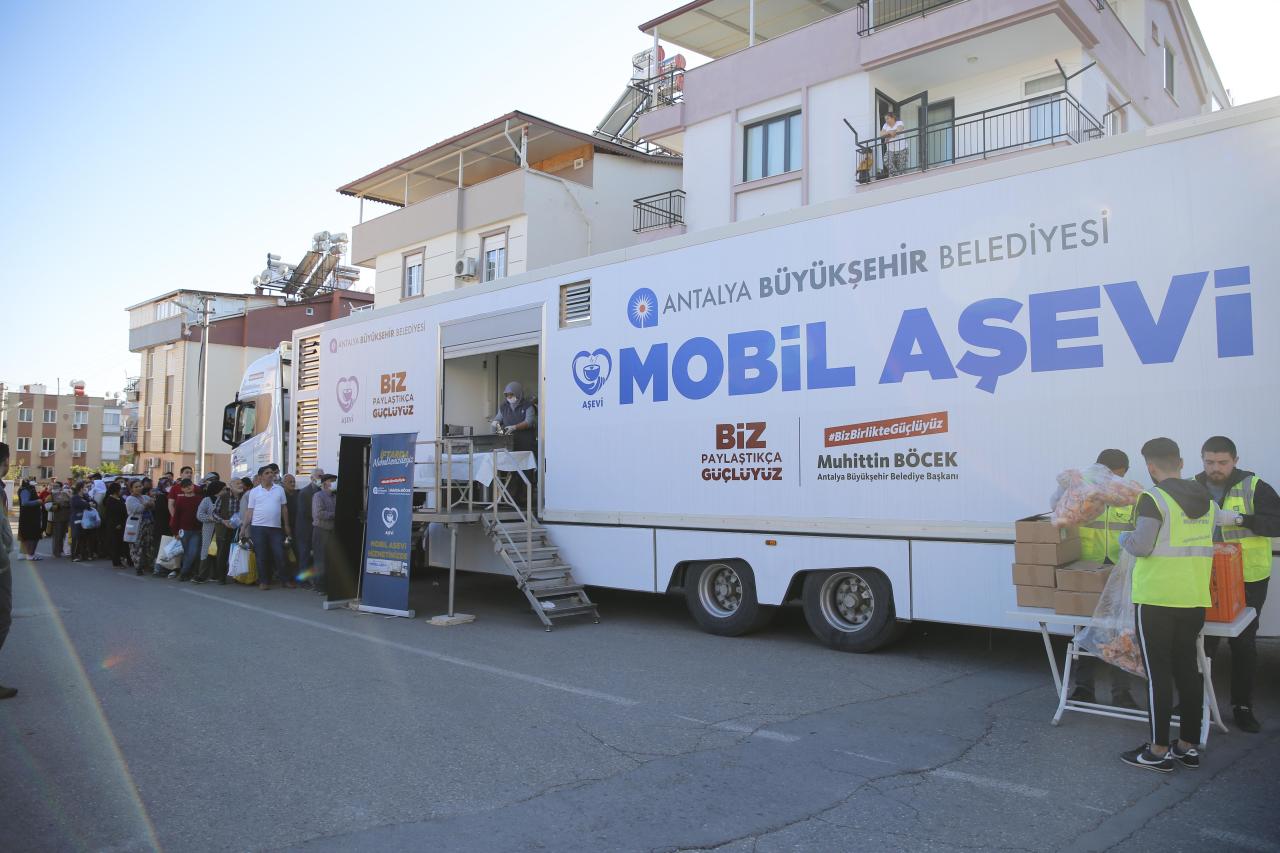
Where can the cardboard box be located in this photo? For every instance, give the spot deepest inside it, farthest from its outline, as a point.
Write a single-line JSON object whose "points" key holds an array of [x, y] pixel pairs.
{"points": [[1074, 603], [1036, 528], [1032, 575], [1083, 576], [1046, 554], [1035, 596]]}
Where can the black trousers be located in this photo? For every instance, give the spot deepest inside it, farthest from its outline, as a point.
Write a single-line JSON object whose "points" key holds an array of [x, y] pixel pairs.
{"points": [[1244, 648], [1167, 638]]}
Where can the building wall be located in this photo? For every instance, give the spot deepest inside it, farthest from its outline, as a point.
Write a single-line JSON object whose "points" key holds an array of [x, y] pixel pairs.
{"points": [[63, 432], [708, 172]]}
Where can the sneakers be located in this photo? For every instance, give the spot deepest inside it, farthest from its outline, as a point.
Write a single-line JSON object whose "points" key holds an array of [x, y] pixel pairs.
{"points": [[8, 692], [198, 580], [1189, 759], [1245, 719], [1145, 758], [172, 575]]}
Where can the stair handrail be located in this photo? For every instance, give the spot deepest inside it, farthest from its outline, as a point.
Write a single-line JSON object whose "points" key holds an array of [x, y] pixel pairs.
{"points": [[504, 497]]}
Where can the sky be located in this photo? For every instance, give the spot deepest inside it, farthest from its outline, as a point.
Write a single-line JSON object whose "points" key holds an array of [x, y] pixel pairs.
{"points": [[149, 146]]}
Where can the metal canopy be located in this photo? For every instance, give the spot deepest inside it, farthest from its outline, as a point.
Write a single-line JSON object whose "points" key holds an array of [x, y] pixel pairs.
{"points": [[479, 154], [716, 28]]}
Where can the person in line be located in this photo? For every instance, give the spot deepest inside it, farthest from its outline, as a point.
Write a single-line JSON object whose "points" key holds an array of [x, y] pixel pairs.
{"points": [[291, 508], [324, 507], [266, 524], [1173, 544], [184, 503], [30, 519], [6, 567], [207, 515], [159, 520], [895, 149], [1250, 517], [97, 488], [138, 515], [80, 501], [302, 525], [114, 516], [1100, 543], [227, 512], [59, 517]]}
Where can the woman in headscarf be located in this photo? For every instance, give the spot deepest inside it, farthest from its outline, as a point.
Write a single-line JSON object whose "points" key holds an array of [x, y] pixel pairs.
{"points": [[138, 509], [114, 516], [30, 518]]}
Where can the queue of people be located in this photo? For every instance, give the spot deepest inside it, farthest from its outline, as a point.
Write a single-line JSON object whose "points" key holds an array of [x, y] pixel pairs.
{"points": [[289, 530]]}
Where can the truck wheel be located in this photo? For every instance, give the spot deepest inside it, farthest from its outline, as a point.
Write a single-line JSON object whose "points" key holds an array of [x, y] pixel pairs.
{"points": [[722, 598], [850, 610]]}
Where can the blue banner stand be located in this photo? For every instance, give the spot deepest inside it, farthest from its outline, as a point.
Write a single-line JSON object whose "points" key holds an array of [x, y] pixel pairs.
{"points": [[384, 586]]}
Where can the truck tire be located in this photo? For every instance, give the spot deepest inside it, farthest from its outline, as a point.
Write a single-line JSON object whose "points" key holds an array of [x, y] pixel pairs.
{"points": [[851, 610], [721, 595]]}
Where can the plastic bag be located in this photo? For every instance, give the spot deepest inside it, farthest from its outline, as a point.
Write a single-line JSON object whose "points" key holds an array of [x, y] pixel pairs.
{"points": [[1083, 494], [241, 565], [170, 552], [1112, 636]]}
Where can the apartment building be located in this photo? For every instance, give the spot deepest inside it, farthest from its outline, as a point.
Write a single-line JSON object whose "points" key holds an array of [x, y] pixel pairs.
{"points": [[512, 195], [48, 433], [166, 334], [787, 110]]}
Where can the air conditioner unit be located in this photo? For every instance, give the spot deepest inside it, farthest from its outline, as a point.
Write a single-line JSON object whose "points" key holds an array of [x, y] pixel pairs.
{"points": [[465, 267], [46, 452]]}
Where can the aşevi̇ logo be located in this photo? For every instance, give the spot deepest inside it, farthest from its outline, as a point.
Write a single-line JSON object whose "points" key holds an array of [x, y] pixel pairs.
{"points": [[348, 390], [591, 370], [642, 308], [389, 516]]}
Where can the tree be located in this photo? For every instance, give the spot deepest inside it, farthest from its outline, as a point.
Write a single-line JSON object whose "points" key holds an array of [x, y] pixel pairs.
{"points": [[108, 469], [80, 472]]}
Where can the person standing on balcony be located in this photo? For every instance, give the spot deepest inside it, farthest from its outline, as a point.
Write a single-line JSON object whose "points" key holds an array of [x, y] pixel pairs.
{"points": [[894, 147]]}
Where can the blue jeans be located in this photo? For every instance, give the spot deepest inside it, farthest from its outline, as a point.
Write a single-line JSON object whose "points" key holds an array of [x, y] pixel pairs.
{"points": [[268, 549], [191, 540]]}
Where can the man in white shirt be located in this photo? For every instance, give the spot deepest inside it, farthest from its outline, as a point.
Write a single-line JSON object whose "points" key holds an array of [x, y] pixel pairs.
{"points": [[895, 149], [266, 523]]}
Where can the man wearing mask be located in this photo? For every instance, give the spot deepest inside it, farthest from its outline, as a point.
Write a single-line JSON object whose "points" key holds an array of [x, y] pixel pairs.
{"points": [[517, 417], [302, 525], [6, 573], [324, 507], [1249, 516], [1173, 544], [59, 516]]}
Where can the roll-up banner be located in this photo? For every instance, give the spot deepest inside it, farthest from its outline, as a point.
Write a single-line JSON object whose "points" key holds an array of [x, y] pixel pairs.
{"points": [[389, 527]]}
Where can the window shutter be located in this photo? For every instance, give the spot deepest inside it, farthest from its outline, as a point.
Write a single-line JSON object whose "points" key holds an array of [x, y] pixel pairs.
{"points": [[308, 364], [575, 304]]}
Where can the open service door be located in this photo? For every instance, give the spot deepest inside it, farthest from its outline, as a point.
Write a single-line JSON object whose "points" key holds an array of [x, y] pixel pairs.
{"points": [[342, 561]]}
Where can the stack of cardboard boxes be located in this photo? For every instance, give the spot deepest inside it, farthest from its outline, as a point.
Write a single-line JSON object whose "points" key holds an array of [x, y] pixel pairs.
{"points": [[1048, 573]]}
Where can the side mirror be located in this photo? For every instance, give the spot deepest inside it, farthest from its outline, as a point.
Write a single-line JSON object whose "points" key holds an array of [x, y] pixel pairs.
{"points": [[229, 424]]}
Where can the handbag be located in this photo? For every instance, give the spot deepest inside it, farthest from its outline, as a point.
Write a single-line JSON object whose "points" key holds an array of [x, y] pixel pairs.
{"points": [[131, 528]]}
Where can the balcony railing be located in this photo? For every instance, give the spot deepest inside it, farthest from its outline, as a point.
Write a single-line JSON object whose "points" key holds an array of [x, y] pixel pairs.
{"points": [[1024, 124], [873, 14], [658, 211], [661, 91]]}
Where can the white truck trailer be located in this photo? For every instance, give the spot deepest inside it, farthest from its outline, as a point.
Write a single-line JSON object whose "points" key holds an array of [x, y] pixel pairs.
{"points": [[849, 404]]}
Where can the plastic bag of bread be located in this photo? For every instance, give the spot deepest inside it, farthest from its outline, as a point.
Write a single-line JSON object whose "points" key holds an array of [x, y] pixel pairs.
{"points": [[1083, 493], [1112, 635]]}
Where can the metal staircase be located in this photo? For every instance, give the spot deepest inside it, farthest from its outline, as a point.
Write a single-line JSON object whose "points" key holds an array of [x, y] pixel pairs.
{"points": [[541, 573]]}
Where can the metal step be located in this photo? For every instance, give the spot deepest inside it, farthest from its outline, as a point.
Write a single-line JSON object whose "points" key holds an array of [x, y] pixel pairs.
{"points": [[544, 579], [576, 610]]}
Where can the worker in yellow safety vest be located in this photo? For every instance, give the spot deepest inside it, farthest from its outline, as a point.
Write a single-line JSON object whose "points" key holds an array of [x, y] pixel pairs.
{"points": [[1249, 516], [1100, 543], [1172, 540]]}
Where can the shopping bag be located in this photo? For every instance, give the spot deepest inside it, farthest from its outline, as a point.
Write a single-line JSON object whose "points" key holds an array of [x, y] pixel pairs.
{"points": [[213, 547], [170, 552], [1112, 636], [131, 528], [241, 566], [90, 519]]}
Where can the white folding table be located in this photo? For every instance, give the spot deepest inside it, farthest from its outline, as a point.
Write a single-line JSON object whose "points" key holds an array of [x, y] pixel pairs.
{"points": [[1046, 617]]}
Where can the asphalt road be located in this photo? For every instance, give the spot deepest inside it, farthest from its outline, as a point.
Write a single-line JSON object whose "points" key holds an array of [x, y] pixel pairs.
{"points": [[155, 714]]}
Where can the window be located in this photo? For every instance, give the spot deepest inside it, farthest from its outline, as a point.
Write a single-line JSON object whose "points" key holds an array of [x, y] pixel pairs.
{"points": [[46, 473], [412, 275], [168, 402], [79, 418], [51, 416], [493, 256], [165, 310], [24, 444], [110, 420], [575, 305], [1115, 118], [1168, 69], [24, 416], [772, 147], [46, 445], [79, 446], [1046, 115]]}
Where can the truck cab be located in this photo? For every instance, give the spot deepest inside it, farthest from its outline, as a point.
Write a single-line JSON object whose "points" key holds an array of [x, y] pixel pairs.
{"points": [[256, 424]]}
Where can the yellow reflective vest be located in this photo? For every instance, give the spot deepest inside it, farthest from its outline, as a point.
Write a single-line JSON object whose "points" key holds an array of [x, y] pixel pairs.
{"points": [[1255, 550], [1176, 573], [1100, 538]]}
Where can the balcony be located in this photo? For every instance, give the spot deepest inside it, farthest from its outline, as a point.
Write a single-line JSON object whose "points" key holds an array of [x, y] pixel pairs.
{"points": [[1032, 123], [663, 210], [876, 14]]}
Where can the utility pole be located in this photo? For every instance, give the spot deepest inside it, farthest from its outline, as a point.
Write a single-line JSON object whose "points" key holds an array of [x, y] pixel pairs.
{"points": [[204, 383]]}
